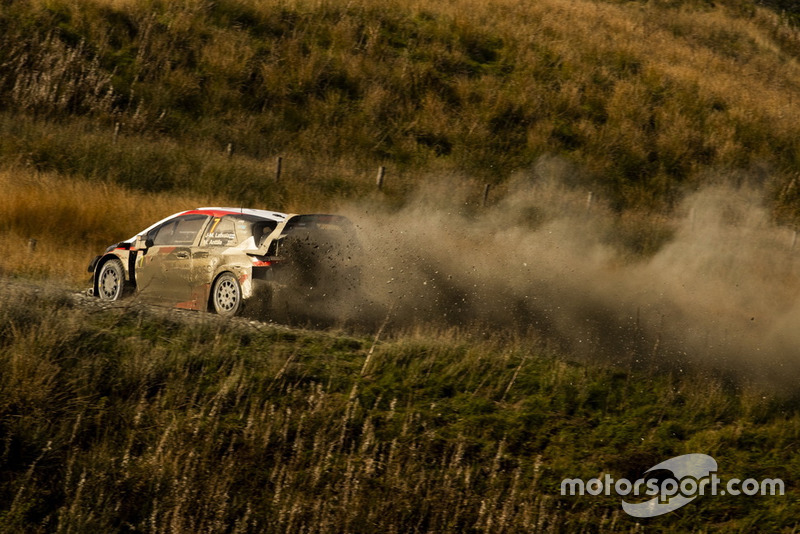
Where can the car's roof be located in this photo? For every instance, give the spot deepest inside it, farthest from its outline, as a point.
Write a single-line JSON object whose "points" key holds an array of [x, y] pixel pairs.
{"points": [[219, 212]]}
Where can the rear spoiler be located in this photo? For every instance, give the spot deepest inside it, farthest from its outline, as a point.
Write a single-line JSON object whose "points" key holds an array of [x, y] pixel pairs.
{"points": [[309, 221]]}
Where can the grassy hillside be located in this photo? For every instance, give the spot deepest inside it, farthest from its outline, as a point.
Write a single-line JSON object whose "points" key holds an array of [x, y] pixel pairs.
{"points": [[591, 119], [648, 99], [127, 421]]}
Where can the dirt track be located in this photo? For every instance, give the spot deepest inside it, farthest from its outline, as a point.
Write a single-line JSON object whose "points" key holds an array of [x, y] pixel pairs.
{"points": [[12, 288]]}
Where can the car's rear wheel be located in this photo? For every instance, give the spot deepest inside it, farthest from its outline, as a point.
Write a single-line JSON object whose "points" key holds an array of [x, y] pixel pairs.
{"points": [[226, 295], [111, 280]]}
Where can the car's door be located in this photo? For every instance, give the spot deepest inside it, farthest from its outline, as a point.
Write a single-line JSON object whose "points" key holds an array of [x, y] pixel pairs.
{"points": [[164, 270], [219, 235]]}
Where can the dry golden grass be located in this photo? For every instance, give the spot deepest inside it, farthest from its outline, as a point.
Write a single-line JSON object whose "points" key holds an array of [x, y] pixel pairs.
{"points": [[647, 100], [71, 221]]}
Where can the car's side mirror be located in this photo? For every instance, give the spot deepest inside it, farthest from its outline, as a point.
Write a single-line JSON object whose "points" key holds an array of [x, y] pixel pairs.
{"points": [[143, 243]]}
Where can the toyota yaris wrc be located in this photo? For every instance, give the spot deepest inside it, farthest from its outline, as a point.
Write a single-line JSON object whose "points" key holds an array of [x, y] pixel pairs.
{"points": [[220, 259]]}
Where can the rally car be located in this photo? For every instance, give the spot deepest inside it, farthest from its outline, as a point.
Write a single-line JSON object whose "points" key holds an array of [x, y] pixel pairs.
{"points": [[220, 259]]}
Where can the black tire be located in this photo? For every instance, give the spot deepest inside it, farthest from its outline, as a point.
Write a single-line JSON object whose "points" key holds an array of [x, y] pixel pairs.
{"points": [[226, 295], [111, 280]]}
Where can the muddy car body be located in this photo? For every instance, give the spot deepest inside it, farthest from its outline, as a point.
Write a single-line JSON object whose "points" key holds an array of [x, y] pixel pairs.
{"points": [[218, 259]]}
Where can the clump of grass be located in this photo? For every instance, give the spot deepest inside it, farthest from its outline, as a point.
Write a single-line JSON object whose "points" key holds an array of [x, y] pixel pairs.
{"points": [[48, 77]]}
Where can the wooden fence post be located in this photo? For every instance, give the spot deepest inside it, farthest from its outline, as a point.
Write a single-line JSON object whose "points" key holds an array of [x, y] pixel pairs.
{"points": [[278, 168], [229, 150], [116, 133], [486, 190], [381, 177]]}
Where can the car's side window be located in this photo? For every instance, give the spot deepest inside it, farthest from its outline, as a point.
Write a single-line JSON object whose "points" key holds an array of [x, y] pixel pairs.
{"points": [[221, 233], [163, 234], [180, 231], [261, 231], [235, 231]]}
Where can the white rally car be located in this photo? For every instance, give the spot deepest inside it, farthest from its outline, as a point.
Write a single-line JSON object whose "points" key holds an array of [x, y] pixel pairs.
{"points": [[218, 259]]}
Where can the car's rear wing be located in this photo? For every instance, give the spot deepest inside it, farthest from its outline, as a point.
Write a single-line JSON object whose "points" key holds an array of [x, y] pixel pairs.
{"points": [[310, 224]]}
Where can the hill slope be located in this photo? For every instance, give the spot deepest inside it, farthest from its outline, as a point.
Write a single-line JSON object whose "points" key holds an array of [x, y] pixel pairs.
{"points": [[648, 99], [204, 425]]}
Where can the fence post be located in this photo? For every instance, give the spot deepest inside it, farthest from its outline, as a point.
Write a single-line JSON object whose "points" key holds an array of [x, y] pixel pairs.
{"points": [[381, 176], [229, 150], [486, 190], [278, 168], [116, 133], [589, 200], [32, 245]]}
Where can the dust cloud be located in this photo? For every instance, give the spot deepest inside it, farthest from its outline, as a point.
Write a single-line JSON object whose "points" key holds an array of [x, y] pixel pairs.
{"points": [[545, 259]]}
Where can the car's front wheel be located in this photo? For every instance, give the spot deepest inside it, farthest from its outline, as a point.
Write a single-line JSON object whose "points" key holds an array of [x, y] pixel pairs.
{"points": [[111, 280], [226, 295]]}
